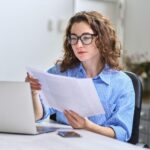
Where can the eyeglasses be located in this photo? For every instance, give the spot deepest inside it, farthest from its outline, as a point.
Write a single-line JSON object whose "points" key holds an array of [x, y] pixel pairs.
{"points": [[85, 38]]}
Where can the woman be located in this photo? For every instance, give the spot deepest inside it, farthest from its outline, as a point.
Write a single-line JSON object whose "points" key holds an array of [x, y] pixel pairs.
{"points": [[91, 50]]}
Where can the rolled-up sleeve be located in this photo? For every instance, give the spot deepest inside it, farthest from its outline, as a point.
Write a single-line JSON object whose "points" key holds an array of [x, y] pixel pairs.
{"points": [[47, 111]]}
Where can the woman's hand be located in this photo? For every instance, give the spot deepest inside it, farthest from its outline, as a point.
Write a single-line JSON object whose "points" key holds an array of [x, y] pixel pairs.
{"points": [[75, 120], [35, 85]]}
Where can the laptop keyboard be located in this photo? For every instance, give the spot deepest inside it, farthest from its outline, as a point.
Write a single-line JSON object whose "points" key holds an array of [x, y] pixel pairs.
{"points": [[44, 129]]}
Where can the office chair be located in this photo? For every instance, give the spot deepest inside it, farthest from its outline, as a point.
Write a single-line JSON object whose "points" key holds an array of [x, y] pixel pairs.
{"points": [[138, 102]]}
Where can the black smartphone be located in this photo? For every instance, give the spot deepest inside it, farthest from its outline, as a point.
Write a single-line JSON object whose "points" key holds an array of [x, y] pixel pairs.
{"points": [[68, 134]]}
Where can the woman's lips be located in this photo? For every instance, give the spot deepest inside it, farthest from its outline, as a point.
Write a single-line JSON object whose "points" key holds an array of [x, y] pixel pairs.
{"points": [[82, 52]]}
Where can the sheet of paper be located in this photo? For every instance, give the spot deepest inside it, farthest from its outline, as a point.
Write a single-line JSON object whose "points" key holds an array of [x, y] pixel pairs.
{"points": [[77, 94]]}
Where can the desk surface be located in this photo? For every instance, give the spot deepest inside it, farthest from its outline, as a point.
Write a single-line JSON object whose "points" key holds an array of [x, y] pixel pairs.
{"points": [[51, 141]]}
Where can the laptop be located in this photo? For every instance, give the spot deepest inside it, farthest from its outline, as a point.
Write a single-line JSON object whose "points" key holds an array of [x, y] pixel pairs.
{"points": [[16, 109]]}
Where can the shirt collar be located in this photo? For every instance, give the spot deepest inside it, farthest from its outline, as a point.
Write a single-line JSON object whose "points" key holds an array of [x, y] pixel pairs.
{"points": [[105, 74], [82, 70]]}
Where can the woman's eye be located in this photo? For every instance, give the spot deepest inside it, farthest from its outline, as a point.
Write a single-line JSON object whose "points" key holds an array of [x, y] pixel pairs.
{"points": [[86, 38], [73, 38]]}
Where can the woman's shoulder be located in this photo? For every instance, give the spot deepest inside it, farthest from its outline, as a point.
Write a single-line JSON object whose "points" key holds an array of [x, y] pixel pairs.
{"points": [[116, 75], [120, 75], [121, 79], [56, 69]]}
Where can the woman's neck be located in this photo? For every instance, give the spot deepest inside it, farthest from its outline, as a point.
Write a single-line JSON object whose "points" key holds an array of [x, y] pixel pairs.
{"points": [[93, 69]]}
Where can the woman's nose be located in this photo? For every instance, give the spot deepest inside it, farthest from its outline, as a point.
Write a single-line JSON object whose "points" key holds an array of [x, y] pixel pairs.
{"points": [[79, 43]]}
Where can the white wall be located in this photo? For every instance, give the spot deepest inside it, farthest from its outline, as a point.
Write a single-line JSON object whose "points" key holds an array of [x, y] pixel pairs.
{"points": [[136, 23], [137, 26], [112, 9], [25, 39]]}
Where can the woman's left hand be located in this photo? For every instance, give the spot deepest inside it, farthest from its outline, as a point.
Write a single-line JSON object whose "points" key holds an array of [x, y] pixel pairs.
{"points": [[75, 120]]}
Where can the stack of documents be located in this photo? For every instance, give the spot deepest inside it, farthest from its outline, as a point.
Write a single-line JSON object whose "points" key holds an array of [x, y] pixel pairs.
{"points": [[61, 92]]}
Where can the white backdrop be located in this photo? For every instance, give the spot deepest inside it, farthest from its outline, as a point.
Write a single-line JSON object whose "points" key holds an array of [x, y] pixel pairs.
{"points": [[30, 35]]}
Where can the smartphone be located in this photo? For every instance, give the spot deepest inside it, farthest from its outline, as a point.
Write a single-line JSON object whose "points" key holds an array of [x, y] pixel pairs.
{"points": [[68, 134]]}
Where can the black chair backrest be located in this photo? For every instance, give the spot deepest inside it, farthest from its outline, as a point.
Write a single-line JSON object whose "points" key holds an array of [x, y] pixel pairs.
{"points": [[53, 117], [138, 102]]}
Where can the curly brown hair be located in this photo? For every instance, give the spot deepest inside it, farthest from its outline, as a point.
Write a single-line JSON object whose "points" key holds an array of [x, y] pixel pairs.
{"points": [[107, 43]]}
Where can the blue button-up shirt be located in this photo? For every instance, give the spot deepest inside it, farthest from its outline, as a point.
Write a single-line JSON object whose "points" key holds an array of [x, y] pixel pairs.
{"points": [[116, 93]]}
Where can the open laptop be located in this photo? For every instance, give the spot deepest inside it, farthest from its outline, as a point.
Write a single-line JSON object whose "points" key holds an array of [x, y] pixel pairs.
{"points": [[16, 109]]}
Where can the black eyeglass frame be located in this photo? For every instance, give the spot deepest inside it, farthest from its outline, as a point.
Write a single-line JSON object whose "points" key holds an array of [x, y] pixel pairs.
{"points": [[80, 37]]}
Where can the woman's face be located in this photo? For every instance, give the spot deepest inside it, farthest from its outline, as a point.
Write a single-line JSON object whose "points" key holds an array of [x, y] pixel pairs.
{"points": [[83, 42]]}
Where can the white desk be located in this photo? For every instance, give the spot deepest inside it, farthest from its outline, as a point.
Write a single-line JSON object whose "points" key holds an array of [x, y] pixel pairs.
{"points": [[51, 141]]}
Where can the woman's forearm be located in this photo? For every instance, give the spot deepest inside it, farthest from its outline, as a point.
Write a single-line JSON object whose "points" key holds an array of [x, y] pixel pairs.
{"points": [[107, 131], [38, 109]]}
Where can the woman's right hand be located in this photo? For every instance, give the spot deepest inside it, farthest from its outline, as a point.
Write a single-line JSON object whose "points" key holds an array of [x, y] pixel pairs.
{"points": [[34, 83]]}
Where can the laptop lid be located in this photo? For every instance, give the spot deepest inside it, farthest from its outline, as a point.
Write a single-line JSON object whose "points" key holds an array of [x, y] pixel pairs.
{"points": [[16, 108]]}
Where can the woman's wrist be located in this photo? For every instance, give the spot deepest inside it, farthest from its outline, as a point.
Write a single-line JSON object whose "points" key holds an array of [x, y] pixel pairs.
{"points": [[88, 124], [35, 93]]}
